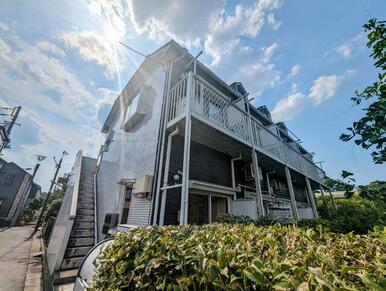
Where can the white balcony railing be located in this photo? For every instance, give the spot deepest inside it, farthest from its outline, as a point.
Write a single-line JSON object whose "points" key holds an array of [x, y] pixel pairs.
{"points": [[217, 109]]}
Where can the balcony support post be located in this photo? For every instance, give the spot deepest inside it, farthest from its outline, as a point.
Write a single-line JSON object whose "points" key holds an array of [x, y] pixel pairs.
{"points": [[295, 213], [255, 163], [333, 199], [312, 198], [324, 199], [186, 157]]}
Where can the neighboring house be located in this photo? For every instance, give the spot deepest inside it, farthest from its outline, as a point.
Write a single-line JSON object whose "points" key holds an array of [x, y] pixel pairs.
{"points": [[182, 147], [15, 188], [35, 192]]}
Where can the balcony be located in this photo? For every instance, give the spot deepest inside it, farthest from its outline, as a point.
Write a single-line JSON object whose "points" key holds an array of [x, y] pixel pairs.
{"points": [[216, 109]]}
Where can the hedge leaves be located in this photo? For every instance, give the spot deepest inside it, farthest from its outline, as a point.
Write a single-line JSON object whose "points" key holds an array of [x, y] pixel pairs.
{"points": [[240, 257]]}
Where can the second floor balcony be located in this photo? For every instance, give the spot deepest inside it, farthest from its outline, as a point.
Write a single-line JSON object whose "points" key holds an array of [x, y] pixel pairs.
{"points": [[216, 109]]}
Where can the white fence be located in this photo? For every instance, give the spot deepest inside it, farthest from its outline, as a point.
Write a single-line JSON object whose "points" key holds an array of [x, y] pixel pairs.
{"points": [[64, 221]]}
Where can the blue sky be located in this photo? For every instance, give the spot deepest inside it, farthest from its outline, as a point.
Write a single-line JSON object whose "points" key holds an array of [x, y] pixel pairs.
{"points": [[61, 61]]}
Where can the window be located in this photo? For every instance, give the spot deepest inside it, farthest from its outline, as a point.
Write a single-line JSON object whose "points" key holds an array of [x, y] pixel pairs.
{"points": [[9, 179], [133, 114], [126, 206], [132, 108]]}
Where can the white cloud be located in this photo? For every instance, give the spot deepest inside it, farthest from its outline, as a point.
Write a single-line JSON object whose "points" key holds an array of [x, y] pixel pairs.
{"points": [[344, 50], [275, 24], [184, 20], [220, 31], [43, 72], [3, 27], [51, 48], [92, 47], [58, 112], [287, 108], [294, 71], [254, 69], [228, 29], [324, 88], [347, 49]]}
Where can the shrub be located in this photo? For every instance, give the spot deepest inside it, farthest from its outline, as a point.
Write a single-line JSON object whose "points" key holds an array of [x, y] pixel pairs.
{"points": [[354, 214], [357, 215], [244, 219], [240, 257]]}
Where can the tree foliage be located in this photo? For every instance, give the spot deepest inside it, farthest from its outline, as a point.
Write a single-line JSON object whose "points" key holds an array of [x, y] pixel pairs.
{"points": [[375, 191], [370, 130], [354, 214], [346, 183]]}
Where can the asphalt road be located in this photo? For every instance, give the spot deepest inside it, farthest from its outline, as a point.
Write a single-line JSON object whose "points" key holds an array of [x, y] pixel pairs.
{"points": [[14, 250]]}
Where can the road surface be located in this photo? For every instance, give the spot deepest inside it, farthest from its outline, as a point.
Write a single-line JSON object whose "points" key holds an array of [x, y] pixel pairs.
{"points": [[14, 250]]}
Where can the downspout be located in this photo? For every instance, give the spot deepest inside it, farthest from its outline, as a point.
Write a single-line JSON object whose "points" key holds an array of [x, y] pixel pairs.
{"points": [[164, 121], [269, 183], [233, 170], [160, 154], [166, 175]]}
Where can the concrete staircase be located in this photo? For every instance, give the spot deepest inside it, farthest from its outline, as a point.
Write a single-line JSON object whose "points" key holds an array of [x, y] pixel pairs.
{"points": [[82, 237], [82, 233]]}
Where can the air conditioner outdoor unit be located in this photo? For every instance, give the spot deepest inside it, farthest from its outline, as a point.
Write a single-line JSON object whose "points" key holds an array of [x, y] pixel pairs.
{"points": [[143, 186]]}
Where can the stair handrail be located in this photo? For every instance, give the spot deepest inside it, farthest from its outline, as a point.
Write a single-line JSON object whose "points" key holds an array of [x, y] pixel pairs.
{"points": [[77, 171]]}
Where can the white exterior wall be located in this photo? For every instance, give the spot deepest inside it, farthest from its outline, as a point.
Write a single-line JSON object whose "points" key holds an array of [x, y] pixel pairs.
{"points": [[305, 213], [244, 207], [131, 155]]}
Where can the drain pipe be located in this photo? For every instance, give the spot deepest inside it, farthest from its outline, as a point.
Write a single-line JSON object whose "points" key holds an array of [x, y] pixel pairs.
{"points": [[233, 170], [166, 175], [96, 171], [269, 183]]}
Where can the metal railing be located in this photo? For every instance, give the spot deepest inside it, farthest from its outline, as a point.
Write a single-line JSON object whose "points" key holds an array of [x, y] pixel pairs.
{"points": [[177, 101], [217, 108]]}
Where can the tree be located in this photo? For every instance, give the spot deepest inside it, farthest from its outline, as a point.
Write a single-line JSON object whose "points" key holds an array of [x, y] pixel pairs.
{"points": [[375, 191], [370, 130], [344, 183]]}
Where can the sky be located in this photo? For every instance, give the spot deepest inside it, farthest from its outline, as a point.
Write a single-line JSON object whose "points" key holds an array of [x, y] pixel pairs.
{"points": [[62, 62]]}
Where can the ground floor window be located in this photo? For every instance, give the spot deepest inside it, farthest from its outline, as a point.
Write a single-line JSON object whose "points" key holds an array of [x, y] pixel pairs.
{"points": [[126, 205], [205, 208]]}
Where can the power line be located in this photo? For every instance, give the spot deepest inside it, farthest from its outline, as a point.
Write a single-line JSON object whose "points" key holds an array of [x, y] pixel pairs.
{"points": [[134, 50]]}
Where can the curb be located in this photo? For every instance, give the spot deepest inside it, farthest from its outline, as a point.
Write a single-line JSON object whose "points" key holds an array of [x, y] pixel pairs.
{"points": [[34, 276]]}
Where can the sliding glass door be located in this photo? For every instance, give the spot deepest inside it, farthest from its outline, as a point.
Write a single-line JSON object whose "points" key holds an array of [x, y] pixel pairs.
{"points": [[205, 208]]}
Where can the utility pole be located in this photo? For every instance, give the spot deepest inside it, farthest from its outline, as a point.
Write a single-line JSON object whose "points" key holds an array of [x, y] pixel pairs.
{"points": [[5, 130], [36, 168], [53, 182]]}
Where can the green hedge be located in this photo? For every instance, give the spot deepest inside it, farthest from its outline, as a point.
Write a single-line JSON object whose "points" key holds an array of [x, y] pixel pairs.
{"points": [[240, 257], [244, 219]]}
